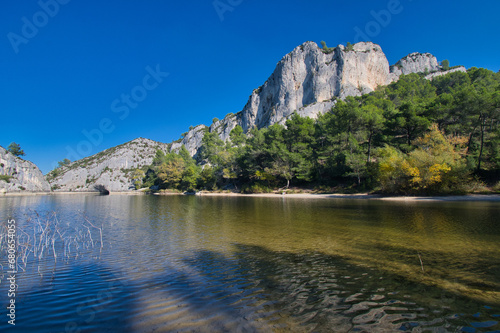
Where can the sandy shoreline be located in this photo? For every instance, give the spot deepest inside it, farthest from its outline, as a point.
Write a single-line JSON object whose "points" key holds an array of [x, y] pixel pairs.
{"points": [[359, 196], [367, 196]]}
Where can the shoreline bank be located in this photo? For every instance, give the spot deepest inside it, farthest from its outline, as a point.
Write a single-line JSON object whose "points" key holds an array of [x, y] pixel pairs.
{"points": [[357, 196]]}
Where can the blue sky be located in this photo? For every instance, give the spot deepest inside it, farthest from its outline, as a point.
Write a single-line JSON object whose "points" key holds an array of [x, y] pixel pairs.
{"points": [[67, 66]]}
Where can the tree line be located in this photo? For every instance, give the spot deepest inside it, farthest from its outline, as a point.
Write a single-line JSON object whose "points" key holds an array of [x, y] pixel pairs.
{"points": [[414, 136]]}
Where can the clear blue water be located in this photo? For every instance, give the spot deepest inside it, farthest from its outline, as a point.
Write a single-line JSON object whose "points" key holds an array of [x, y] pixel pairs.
{"points": [[240, 264]]}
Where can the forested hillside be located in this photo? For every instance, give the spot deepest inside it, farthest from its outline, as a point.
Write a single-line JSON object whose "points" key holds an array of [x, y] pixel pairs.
{"points": [[414, 136]]}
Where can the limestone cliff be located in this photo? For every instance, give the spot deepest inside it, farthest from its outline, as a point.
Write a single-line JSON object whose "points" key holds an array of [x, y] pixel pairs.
{"points": [[191, 140], [17, 175], [308, 75], [112, 167], [309, 81], [416, 63]]}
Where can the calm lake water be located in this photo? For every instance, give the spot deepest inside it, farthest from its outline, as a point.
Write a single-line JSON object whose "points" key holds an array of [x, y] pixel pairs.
{"points": [[244, 264]]}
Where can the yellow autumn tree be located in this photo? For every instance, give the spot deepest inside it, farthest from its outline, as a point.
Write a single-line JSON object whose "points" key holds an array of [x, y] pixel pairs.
{"points": [[170, 173], [435, 166]]}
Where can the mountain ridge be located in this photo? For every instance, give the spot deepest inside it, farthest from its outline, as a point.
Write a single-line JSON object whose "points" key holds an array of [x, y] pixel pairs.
{"points": [[112, 168], [362, 78], [307, 81]]}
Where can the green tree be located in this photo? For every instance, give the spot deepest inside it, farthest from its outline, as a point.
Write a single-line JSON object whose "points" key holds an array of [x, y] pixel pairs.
{"points": [[138, 177], [63, 162], [373, 121], [171, 172], [207, 178], [189, 178], [445, 64], [210, 148], [411, 121], [237, 136], [159, 158], [411, 88], [184, 154], [15, 149], [451, 82]]}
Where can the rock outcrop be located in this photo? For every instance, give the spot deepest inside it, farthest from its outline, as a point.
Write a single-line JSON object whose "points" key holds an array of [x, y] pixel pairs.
{"points": [[191, 140], [112, 168], [309, 81], [308, 75], [416, 63], [17, 175], [441, 73]]}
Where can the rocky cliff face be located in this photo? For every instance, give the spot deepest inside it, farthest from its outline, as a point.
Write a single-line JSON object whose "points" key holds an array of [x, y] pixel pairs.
{"points": [[308, 76], [112, 167], [416, 63], [192, 140], [309, 81], [18, 175]]}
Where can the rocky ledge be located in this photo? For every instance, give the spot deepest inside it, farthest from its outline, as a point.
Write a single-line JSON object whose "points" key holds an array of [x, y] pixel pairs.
{"points": [[17, 175]]}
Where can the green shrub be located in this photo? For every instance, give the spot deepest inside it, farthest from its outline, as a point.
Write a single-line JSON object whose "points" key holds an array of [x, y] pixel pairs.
{"points": [[5, 178], [445, 64], [326, 49], [255, 188]]}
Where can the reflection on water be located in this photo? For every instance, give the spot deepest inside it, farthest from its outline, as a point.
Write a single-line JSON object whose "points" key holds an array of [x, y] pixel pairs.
{"points": [[211, 264]]}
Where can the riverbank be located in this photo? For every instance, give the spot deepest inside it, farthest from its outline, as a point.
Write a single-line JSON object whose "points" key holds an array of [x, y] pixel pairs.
{"points": [[358, 196], [361, 196]]}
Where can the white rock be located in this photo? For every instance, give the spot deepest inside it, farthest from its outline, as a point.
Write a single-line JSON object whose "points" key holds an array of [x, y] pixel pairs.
{"points": [[25, 175], [436, 74], [308, 81], [112, 167], [416, 63]]}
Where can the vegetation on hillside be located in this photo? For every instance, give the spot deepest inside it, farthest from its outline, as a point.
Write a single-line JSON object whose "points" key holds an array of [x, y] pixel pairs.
{"points": [[15, 149], [414, 136]]}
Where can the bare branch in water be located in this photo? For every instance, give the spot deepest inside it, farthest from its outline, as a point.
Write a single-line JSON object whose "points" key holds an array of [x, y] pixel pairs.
{"points": [[39, 236]]}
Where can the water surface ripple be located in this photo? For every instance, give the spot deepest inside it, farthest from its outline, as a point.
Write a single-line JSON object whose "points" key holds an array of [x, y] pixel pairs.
{"points": [[212, 264]]}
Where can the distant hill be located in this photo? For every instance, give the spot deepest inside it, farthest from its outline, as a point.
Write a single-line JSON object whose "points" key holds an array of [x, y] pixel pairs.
{"points": [[112, 167]]}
